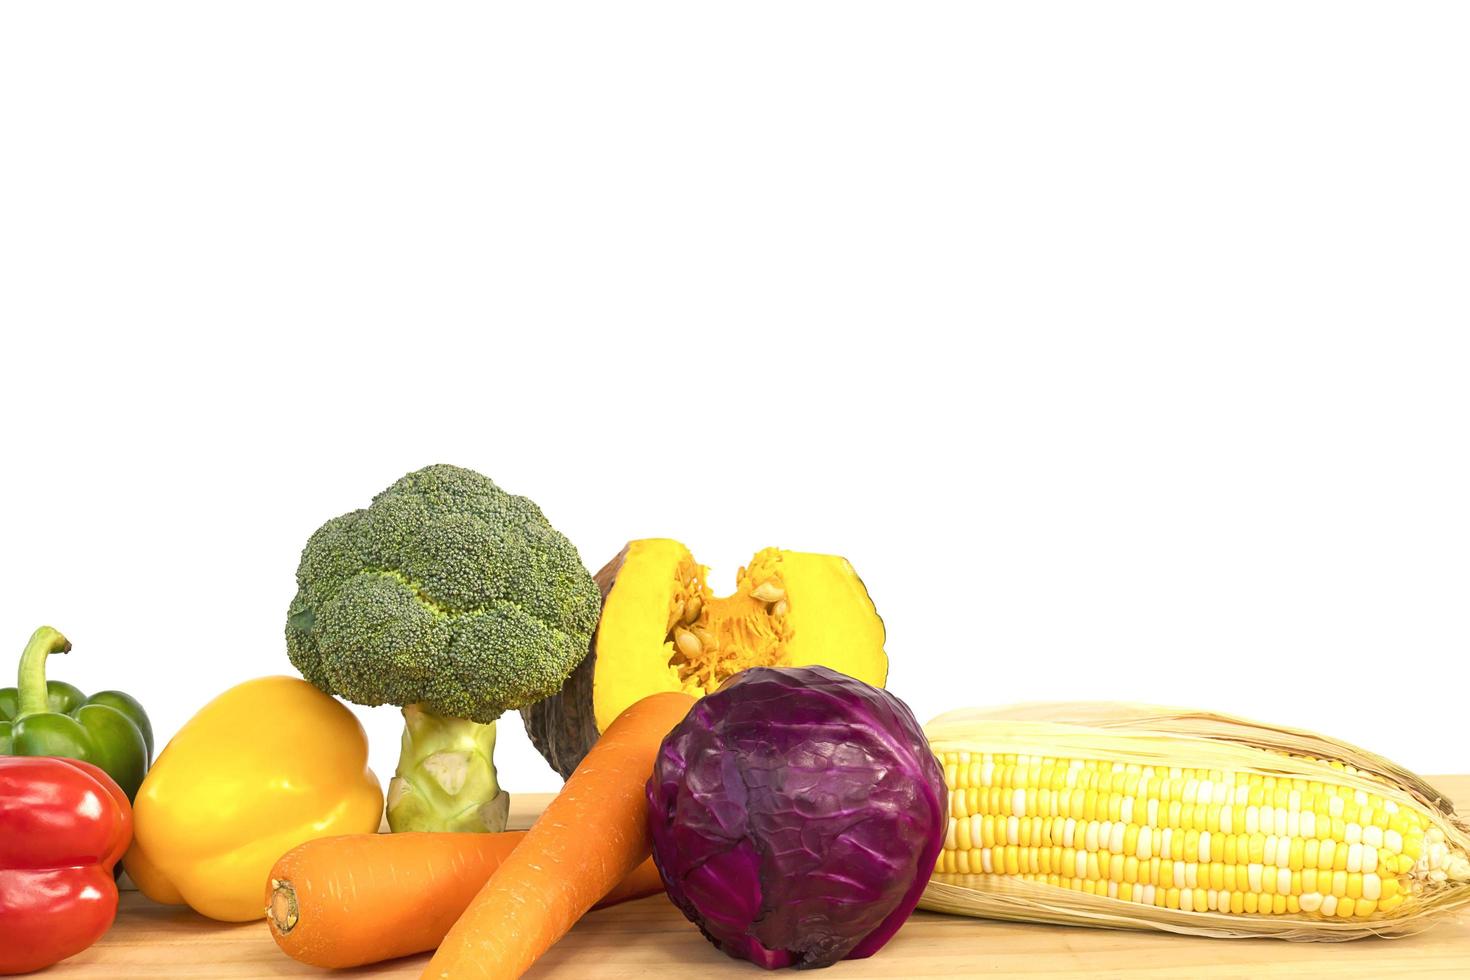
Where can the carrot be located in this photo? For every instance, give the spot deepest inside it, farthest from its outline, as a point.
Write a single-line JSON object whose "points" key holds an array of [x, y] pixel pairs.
{"points": [[594, 833], [641, 882], [347, 901]]}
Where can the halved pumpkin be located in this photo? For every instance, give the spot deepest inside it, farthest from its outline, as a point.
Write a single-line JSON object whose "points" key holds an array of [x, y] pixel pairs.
{"points": [[662, 629]]}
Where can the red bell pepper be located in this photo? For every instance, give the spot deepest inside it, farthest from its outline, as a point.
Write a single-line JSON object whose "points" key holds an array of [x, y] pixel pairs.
{"points": [[63, 825]]}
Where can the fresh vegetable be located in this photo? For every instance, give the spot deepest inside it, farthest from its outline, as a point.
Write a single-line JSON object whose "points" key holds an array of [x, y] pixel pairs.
{"points": [[346, 901], [41, 717], [63, 825], [663, 629], [1139, 817], [265, 766], [796, 815], [457, 601], [594, 833]]}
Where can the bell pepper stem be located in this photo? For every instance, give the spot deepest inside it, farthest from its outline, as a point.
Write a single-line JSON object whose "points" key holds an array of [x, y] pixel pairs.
{"points": [[31, 694]]}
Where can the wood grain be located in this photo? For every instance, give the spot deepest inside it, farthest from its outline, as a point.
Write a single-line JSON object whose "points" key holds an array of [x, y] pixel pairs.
{"points": [[650, 938]]}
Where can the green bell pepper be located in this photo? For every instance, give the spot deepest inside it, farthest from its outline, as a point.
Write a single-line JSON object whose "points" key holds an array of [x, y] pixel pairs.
{"points": [[40, 717]]}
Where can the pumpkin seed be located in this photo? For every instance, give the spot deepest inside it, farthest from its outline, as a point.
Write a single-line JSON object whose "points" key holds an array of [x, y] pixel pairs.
{"points": [[691, 609], [768, 591], [687, 643], [780, 608]]}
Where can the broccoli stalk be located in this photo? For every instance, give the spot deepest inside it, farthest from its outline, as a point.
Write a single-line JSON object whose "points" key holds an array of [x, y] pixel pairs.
{"points": [[446, 776], [457, 602]]}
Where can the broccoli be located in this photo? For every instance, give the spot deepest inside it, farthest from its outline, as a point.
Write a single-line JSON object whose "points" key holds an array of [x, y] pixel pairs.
{"points": [[456, 601]]}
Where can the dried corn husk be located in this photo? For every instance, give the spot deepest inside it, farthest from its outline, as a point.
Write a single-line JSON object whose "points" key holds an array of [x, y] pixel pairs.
{"points": [[1148, 735]]}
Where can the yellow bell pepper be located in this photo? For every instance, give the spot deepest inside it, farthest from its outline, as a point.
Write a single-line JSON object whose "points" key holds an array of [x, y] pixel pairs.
{"points": [[265, 766]]}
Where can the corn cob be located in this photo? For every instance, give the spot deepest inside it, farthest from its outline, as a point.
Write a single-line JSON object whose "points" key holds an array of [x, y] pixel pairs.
{"points": [[1190, 822]]}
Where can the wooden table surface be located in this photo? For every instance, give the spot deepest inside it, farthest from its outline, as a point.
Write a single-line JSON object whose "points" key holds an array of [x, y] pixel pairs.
{"points": [[649, 938]]}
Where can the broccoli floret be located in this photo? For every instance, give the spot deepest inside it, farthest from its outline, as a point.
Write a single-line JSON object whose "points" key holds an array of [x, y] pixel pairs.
{"points": [[447, 594]]}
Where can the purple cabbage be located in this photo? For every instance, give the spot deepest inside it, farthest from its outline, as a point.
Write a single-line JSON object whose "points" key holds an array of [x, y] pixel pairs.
{"points": [[796, 815]]}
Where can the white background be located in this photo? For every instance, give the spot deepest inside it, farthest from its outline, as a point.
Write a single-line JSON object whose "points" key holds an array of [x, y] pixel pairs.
{"points": [[1121, 347]]}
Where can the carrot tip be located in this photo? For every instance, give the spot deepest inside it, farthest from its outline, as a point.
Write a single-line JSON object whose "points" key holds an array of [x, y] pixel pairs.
{"points": [[283, 911]]}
